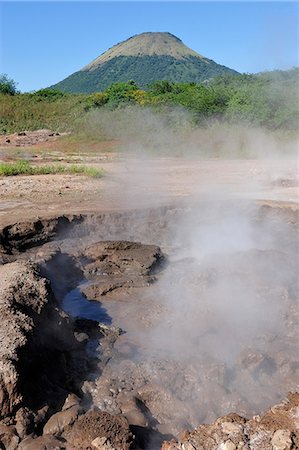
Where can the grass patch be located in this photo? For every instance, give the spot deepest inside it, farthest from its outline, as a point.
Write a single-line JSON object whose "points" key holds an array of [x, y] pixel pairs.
{"points": [[22, 167], [85, 170]]}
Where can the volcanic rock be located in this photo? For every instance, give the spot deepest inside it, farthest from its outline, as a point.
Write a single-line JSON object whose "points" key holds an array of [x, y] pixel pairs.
{"points": [[59, 421], [21, 236], [41, 443], [112, 265], [25, 420], [21, 291], [37, 367], [96, 424], [8, 437], [276, 429]]}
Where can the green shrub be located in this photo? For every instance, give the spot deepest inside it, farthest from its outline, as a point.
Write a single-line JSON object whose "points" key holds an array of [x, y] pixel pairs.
{"points": [[48, 94], [96, 100]]}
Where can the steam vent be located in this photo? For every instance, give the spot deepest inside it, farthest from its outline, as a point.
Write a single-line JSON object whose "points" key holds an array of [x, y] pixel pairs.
{"points": [[151, 328]]}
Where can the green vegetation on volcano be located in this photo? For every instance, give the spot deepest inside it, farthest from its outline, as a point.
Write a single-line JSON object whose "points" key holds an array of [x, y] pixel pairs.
{"points": [[144, 70]]}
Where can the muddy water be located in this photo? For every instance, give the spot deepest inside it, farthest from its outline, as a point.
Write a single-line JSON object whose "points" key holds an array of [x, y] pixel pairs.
{"points": [[75, 304], [217, 331]]}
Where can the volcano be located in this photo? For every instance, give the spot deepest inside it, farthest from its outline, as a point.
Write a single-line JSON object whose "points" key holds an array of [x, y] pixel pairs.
{"points": [[144, 58]]}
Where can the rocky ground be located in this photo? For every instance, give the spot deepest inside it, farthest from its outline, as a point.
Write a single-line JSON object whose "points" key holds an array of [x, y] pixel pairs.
{"points": [[275, 429], [29, 138]]}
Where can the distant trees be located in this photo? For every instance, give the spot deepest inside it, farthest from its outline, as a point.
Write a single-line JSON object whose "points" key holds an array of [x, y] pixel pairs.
{"points": [[7, 85], [121, 92], [161, 87], [268, 99], [48, 94]]}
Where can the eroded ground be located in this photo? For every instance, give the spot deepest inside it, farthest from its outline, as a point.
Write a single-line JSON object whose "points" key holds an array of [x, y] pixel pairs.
{"points": [[198, 321]]}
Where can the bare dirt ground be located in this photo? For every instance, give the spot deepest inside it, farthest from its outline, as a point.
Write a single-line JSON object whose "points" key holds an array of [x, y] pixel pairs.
{"points": [[29, 138], [132, 182]]}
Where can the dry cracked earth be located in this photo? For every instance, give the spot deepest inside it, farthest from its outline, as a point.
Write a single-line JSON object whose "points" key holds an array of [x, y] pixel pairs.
{"points": [[155, 308]]}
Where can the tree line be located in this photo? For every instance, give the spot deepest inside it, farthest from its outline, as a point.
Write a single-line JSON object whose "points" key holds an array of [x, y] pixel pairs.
{"points": [[267, 99]]}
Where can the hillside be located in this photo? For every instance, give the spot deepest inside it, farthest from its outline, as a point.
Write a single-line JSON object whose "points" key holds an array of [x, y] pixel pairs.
{"points": [[144, 58]]}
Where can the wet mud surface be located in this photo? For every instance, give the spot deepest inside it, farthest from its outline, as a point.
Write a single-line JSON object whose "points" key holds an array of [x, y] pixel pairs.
{"points": [[122, 330]]}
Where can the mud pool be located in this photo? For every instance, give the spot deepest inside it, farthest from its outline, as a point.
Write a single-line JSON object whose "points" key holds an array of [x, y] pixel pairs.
{"points": [[197, 321]]}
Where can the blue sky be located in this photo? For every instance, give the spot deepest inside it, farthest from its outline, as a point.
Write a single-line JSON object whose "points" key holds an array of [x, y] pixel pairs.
{"points": [[43, 42]]}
